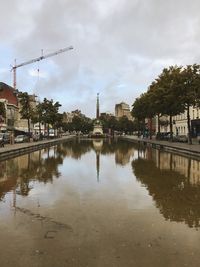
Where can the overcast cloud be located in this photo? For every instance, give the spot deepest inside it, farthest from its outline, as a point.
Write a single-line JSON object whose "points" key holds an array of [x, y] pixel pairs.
{"points": [[120, 46]]}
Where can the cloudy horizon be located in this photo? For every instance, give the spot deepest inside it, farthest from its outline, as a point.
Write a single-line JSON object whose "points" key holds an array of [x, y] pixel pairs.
{"points": [[120, 47]]}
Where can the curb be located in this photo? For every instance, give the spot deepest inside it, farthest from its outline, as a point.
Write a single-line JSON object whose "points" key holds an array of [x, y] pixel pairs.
{"points": [[166, 147], [25, 148]]}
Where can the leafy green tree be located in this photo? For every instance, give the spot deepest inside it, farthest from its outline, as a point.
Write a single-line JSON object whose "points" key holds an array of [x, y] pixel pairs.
{"points": [[49, 111], [156, 98], [125, 125], [140, 111], [80, 123], [2, 110], [190, 85], [110, 123], [27, 111], [39, 115], [169, 91]]}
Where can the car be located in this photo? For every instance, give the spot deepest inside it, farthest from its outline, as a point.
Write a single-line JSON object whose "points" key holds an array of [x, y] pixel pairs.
{"points": [[36, 137], [5, 138], [1, 143], [1, 136], [21, 138], [182, 138]]}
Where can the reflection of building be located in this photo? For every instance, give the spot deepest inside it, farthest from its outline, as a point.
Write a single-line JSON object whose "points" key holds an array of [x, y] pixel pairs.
{"points": [[123, 158], [189, 168], [121, 110], [8, 97], [175, 193]]}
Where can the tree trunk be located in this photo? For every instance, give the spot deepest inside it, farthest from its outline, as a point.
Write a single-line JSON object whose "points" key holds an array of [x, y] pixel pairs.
{"points": [[158, 123], [40, 128], [150, 128], [138, 129], [188, 124], [171, 128], [29, 129], [48, 130]]}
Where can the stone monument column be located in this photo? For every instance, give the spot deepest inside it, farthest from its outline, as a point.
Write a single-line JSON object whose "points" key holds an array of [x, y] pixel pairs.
{"points": [[97, 113]]}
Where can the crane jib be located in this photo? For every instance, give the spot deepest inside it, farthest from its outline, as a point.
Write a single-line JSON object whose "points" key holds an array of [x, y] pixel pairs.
{"points": [[14, 68]]}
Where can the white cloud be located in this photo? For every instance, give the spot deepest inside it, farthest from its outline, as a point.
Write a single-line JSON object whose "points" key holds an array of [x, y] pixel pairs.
{"points": [[116, 42]]}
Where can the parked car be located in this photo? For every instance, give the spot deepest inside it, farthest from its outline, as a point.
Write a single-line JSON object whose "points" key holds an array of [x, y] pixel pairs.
{"points": [[1, 143], [21, 138], [182, 138], [1, 137], [5, 138], [36, 137]]}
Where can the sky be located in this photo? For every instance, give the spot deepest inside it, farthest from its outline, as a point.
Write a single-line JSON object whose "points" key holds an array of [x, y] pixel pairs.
{"points": [[120, 47]]}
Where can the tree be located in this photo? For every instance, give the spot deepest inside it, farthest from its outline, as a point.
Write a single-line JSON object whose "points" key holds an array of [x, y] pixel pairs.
{"points": [[125, 125], [190, 91], [82, 123], [169, 93], [109, 123], [140, 111], [27, 111], [49, 113], [2, 110], [39, 115]]}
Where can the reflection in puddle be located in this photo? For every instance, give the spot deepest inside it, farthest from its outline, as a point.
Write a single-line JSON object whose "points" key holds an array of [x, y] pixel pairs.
{"points": [[99, 203], [174, 183], [172, 180]]}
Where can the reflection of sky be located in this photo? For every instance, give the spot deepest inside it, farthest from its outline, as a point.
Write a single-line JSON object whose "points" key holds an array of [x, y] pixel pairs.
{"points": [[79, 177]]}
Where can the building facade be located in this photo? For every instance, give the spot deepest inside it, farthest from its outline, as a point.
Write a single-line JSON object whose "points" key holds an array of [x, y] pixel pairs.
{"points": [[180, 123], [9, 99], [122, 109]]}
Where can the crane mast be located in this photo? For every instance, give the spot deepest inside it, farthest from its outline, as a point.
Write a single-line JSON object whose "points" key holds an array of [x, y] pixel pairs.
{"points": [[14, 68]]}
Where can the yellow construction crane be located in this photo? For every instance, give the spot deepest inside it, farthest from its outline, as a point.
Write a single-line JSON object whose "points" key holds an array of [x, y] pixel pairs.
{"points": [[14, 68]]}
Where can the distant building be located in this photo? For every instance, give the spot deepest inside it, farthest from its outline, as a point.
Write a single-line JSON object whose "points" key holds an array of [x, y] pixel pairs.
{"points": [[180, 123], [123, 109], [9, 98], [68, 116], [106, 114]]}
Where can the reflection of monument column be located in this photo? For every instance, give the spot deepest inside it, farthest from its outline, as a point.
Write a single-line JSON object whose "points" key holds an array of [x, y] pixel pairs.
{"points": [[97, 144], [97, 165]]}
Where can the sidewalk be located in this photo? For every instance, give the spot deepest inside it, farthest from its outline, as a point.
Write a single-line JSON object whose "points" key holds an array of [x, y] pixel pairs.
{"points": [[193, 149], [22, 148]]}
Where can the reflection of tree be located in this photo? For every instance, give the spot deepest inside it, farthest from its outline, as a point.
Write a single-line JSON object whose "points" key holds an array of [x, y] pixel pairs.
{"points": [[122, 149], [177, 199], [8, 177], [19, 172], [75, 148], [42, 166], [42, 170]]}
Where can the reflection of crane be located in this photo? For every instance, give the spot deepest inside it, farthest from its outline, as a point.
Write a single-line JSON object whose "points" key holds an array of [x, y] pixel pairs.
{"points": [[14, 68]]}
